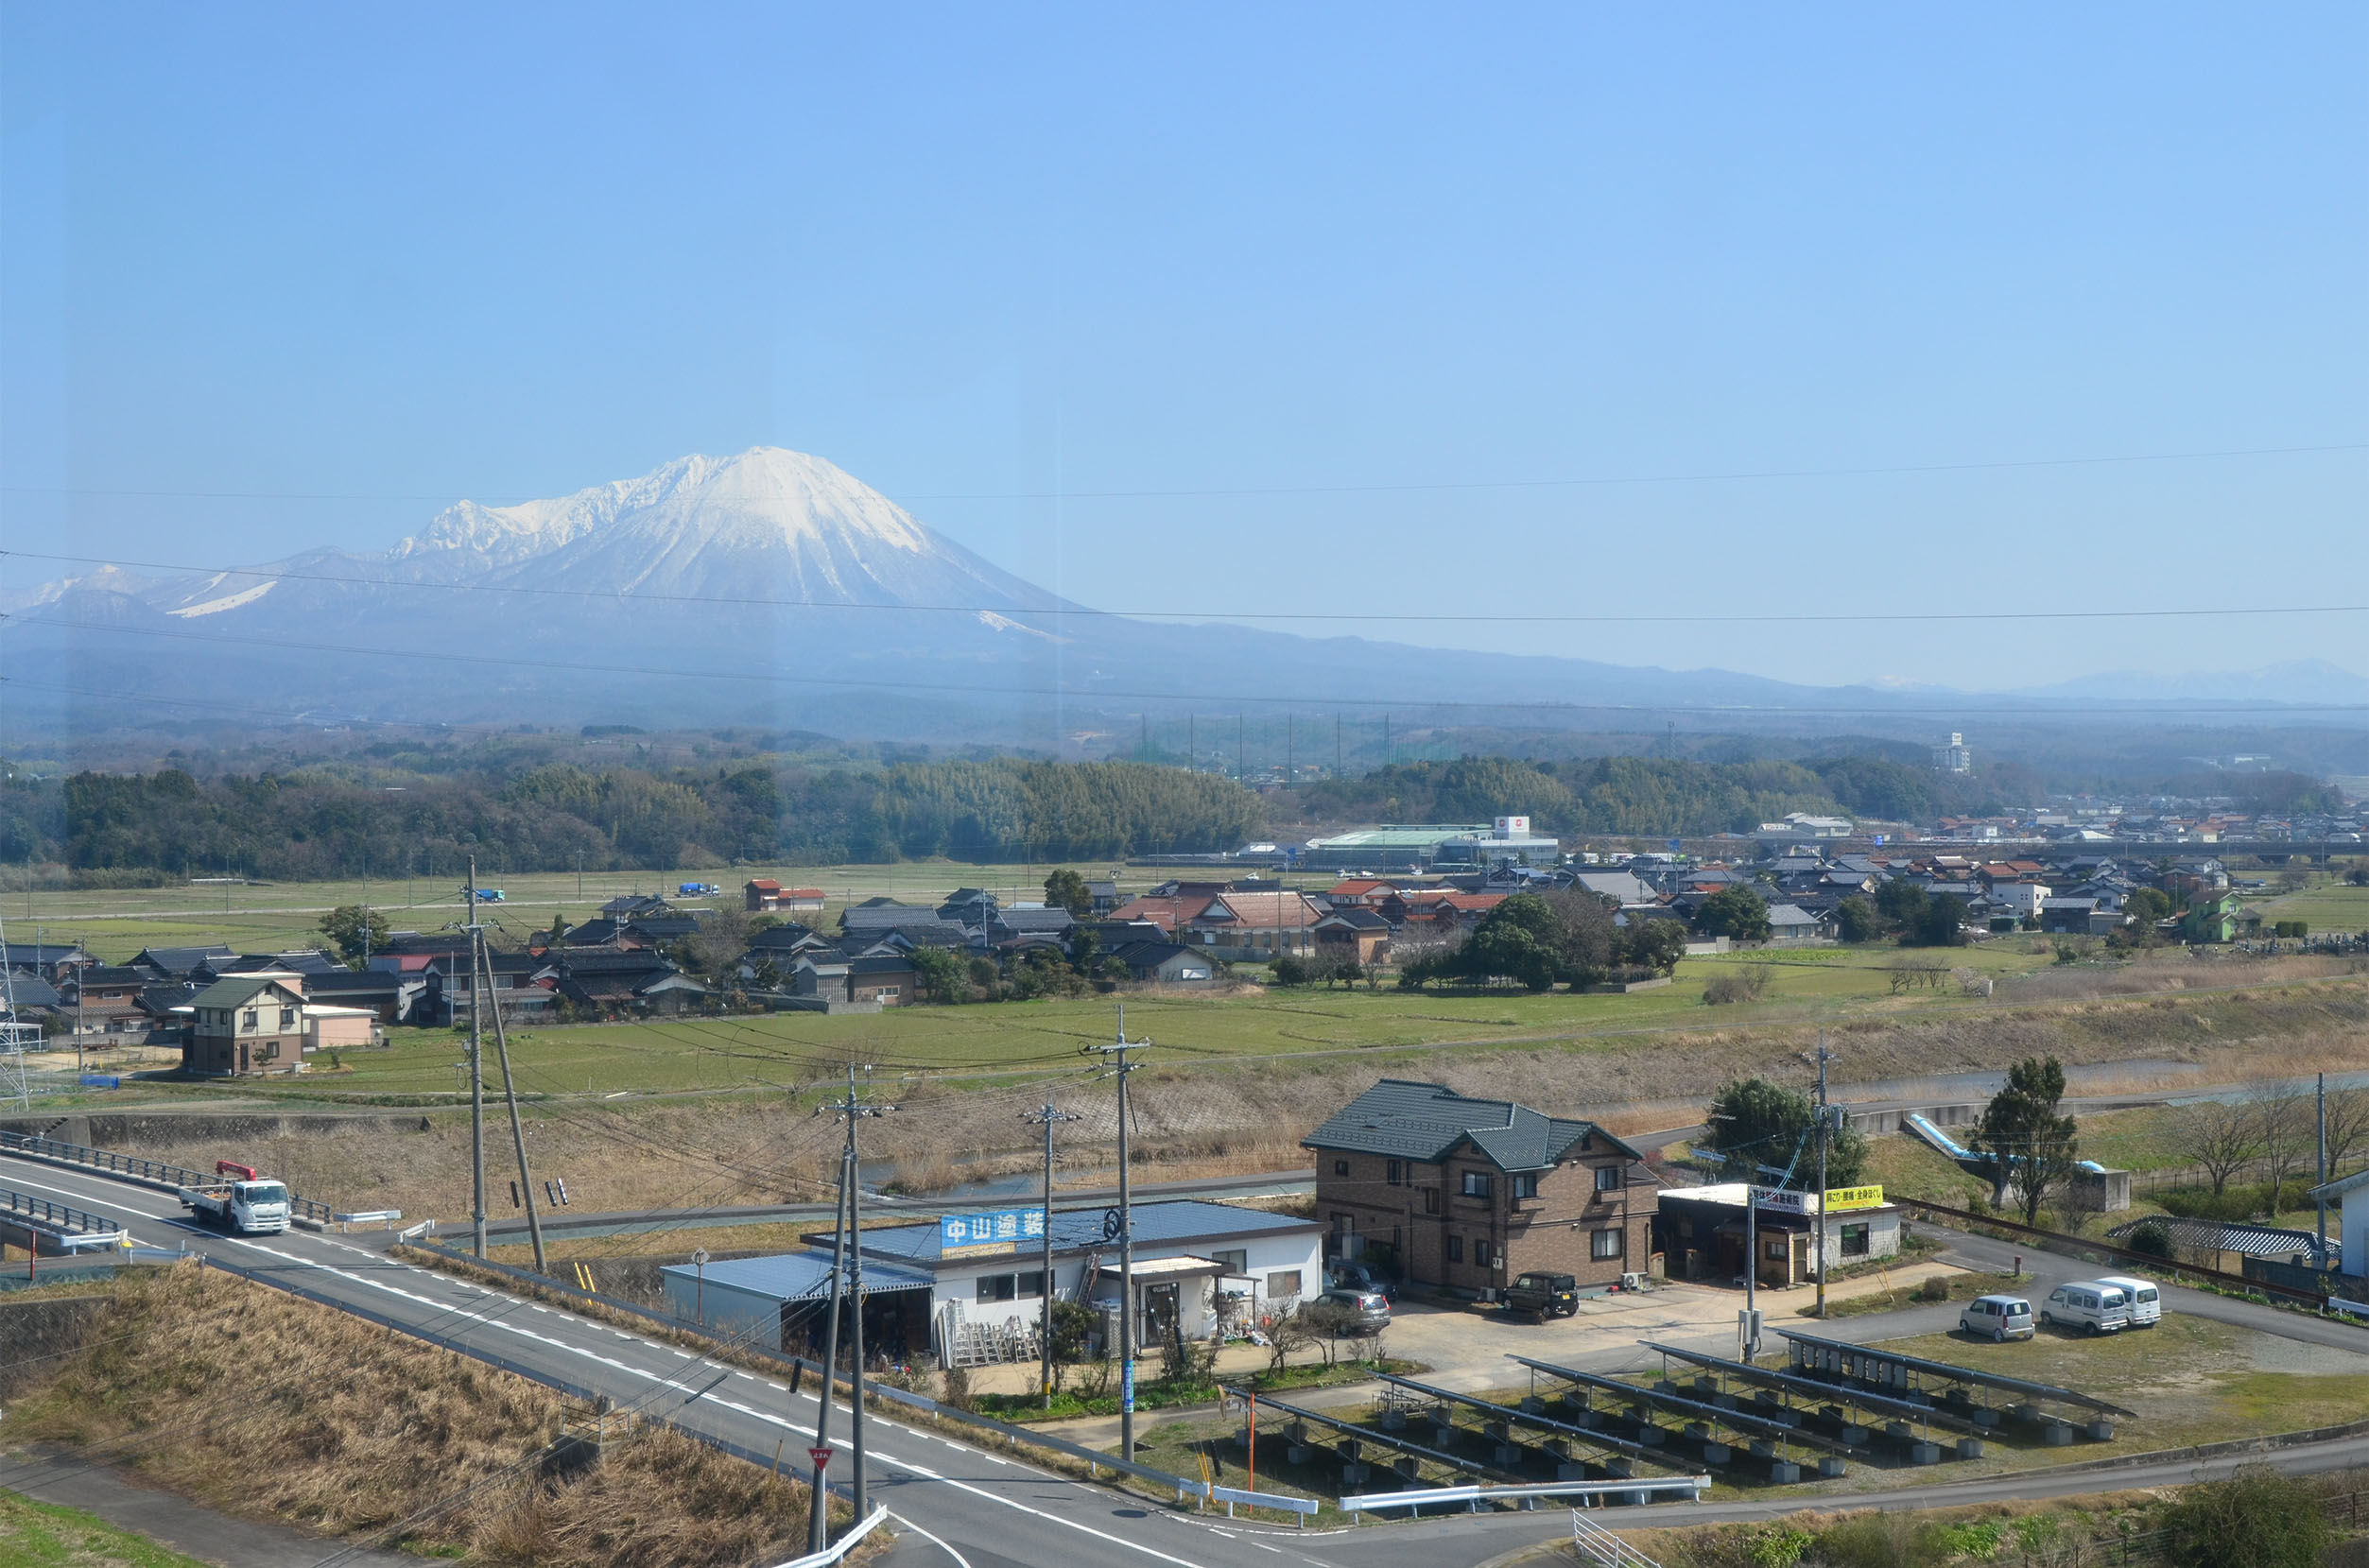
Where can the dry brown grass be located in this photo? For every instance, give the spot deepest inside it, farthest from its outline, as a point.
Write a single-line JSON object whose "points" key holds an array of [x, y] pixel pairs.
{"points": [[1211, 1118], [256, 1404]]}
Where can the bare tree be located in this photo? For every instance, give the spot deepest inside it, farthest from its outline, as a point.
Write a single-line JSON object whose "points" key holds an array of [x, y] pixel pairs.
{"points": [[2289, 1135], [2220, 1138], [2347, 1128]]}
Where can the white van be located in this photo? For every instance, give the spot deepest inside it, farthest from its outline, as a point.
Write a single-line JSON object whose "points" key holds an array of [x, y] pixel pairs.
{"points": [[1999, 1318], [2146, 1300], [2091, 1304]]}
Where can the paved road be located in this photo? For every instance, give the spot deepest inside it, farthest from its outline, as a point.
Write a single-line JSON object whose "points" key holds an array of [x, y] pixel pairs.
{"points": [[964, 1505], [993, 1511]]}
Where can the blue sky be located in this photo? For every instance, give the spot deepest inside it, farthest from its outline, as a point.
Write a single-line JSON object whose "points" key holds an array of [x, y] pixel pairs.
{"points": [[308, 273]]}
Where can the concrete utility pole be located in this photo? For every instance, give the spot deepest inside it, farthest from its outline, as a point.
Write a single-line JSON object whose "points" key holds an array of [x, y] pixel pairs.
{"points": [[484, 959], [817, 1524], [1047, 1116], [477, 1073], [851, 1178], [2319, 1258], [1121, 1226], [1825, 1129]]}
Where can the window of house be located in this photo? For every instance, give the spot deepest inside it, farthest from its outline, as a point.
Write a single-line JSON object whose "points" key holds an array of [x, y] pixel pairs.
{"points": [[1525, 1184], [888, 990], [1456, 1249], [1340, 1167], [1390, 1173], [998, 1287], [1341, 1224], [1283, 1283], [1484, 1252], [1606, 1244], [1033, 1284], [1233, 1260], [1430, 1201], [247, 1019], [1855, 1241], [287, 1018], [1608, 1178], [1476, 1184], [1777, 1250]]}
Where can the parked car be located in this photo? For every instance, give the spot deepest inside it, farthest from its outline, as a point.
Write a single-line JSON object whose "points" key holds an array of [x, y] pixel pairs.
{"points": [[1357, 1276], [1371, 1308], [2146, 1300], [2091, 1304], [1544, 1295], [1997, 1317]]}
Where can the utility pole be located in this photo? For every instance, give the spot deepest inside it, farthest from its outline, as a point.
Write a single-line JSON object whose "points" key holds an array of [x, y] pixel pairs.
{"points": [[1290, 748], [851, 1168], [1748, 1331], [1386, 740], [484, 959], [1049, 1116], [1336, 745], [1120, 1226], [477, 1073], [1241, 753], [2319, 1258], [1192, 742], [817, 1525], [1825, 1127]]}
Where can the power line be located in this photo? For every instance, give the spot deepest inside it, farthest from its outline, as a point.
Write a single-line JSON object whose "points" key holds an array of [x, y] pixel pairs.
{"points": [[1971, 704], [1590, 481], [1066, 610]]}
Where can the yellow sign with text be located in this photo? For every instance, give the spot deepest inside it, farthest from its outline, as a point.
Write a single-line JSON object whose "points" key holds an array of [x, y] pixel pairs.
{"points": [[1840, 1198]]}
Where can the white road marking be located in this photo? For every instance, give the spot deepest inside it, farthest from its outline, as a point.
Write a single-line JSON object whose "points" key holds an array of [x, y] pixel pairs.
{"points": [[694, 1396], [961, 1560]]}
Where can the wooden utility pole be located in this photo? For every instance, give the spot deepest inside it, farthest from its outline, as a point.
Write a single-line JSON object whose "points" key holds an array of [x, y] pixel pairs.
{"points": [[851, 1178], [818, 1523], [1825, 1127]]}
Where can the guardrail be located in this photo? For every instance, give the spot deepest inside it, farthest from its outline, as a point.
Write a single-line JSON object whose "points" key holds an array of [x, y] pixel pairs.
{"points": [[1231, 1495], [72, 1227], [2143, 1260], [829, 1554], [156, 1173], [1475, 1495]]}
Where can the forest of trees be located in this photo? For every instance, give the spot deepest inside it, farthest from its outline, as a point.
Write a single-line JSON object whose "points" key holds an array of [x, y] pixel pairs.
{"points": [[312, 826]]}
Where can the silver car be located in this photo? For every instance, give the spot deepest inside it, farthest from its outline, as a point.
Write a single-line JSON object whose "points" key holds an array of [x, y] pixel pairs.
{"points": [[1372, 1308]]}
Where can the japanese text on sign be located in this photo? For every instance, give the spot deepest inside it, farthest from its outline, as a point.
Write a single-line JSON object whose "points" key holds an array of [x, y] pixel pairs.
{"points": [[997, 1231]]}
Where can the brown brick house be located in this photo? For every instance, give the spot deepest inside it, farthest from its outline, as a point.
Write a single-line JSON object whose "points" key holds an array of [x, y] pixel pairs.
{"points": [[1467, 1194]]}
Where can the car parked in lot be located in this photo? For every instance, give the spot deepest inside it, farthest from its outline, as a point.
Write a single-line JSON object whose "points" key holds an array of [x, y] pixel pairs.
{"points": [[2089, 1304], [1997, 1317], [1371, 1309], [1544, 1295], [2146, 1299], [1357, 1276]]}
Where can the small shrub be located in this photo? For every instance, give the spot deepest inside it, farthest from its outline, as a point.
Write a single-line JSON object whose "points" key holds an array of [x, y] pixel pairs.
{"points": [[957, 1395], [1934, 1289], [2256, 1518], [1741, 985]]}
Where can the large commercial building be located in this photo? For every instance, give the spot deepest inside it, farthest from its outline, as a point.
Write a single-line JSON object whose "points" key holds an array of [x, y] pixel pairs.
{"points": [[1397, 847]]}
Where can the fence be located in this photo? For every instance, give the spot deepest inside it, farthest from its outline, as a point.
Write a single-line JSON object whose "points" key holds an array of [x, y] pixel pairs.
{"points": [[2059, 1241], [846, 1543], [71, 1226], [1477, 1495], [156, 1173]]}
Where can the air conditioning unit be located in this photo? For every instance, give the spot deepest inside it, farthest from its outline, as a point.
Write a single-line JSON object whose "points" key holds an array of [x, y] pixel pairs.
{"points": [[1636, 1282]]}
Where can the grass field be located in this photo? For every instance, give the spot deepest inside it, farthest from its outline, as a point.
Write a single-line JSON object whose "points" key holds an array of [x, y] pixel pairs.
{"points": [[41, 1535], [781, 1049], [2328, 905], [266, 917]]}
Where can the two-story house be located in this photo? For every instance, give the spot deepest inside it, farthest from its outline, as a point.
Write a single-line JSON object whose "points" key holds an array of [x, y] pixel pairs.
{"points": [[1467, 1194], [245, 1025]]}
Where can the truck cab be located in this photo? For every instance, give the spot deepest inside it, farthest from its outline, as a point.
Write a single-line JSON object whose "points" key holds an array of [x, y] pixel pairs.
{"points": [[254, 1207]]}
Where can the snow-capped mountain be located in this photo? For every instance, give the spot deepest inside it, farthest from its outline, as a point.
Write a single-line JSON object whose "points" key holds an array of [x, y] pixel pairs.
{"points": [[771, 587]]}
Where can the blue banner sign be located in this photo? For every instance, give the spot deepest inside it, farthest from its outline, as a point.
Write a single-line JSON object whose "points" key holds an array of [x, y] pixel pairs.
{"points": [[997, 1231]]}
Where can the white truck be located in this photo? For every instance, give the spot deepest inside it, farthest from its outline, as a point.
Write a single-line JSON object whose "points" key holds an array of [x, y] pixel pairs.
{"points": [[245, 1204]]}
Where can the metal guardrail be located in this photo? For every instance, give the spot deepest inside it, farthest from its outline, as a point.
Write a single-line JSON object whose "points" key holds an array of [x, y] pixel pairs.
{"points": [[846, 1543], [1231, 1495], [71, 1226], [1475, 1495], [1603, 1548], [156, 1173]]}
